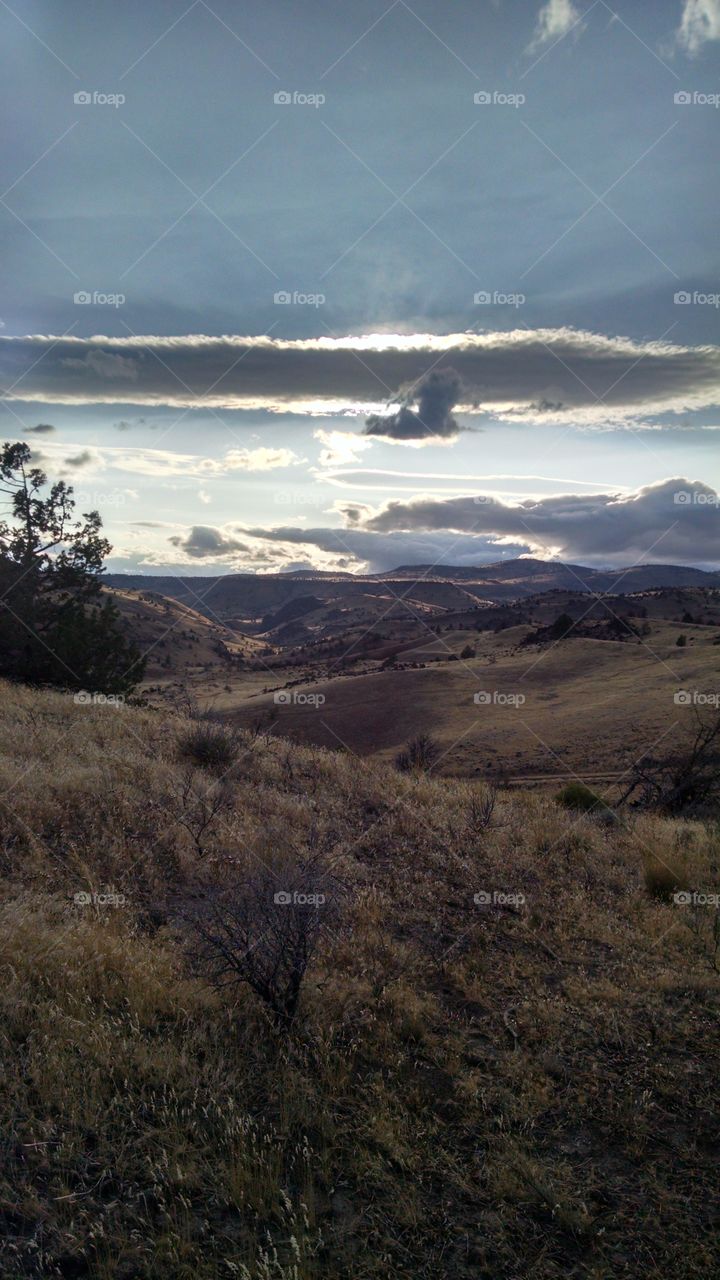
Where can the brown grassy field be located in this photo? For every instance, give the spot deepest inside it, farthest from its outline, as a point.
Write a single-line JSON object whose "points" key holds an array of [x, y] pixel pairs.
{"points": [[590, 706], [182, 646], [522, 1085]]}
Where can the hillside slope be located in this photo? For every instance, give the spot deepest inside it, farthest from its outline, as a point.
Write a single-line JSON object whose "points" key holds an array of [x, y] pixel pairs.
{"points": [[585, 704], [504, 1062]]}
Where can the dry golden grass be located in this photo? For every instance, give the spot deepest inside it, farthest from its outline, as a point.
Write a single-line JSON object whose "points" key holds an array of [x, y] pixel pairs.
{"points": [[519, 1087], [590, 706]]}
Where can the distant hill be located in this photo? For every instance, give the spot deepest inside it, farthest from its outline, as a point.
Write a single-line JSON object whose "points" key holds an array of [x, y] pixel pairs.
{"points": [[245, 601], [557, 574]]}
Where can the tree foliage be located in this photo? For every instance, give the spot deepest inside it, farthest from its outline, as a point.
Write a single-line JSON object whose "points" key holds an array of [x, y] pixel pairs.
{"points": [[55, 626]]}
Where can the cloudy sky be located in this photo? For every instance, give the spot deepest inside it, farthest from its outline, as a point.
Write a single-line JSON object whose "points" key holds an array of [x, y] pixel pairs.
{"points": [[364, 285]]}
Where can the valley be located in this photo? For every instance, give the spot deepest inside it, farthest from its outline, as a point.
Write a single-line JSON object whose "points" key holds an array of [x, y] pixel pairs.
{"points": [[514, 685]]}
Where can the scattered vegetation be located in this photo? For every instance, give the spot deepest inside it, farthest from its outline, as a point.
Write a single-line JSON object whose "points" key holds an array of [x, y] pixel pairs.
{"points": [[264, 930], [582, 799], [479, 1066], [210, 745], [419, 755], [684, 779]]}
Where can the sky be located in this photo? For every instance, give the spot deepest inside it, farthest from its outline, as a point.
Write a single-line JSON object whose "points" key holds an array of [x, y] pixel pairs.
{"points": [[352, 287]]}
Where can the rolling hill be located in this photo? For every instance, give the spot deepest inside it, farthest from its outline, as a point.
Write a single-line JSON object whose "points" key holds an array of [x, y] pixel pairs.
{"points": [[503, 1060]]}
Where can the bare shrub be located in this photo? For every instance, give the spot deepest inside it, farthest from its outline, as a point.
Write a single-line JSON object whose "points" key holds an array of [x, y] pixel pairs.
{"points": [[419, 755], [263, 931], [198, 806], [684, 781], [263, 725], [210, 745]]}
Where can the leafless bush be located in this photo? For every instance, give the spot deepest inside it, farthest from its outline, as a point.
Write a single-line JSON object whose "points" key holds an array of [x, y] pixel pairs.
{"points": [[419, 755], [683, 781], [263, 725], [198, 806], [264, 931]]}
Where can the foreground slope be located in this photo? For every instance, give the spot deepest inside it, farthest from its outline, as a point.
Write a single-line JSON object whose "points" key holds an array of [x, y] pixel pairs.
{"points": [[518, 1086]]}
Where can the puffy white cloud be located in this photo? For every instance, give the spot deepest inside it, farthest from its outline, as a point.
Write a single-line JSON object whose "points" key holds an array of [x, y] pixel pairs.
{"points": [[556, 19], [340, 447], [700, 24]]}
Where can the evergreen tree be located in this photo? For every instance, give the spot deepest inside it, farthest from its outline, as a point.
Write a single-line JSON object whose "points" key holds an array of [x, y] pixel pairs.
{"points": [[55, 626]]}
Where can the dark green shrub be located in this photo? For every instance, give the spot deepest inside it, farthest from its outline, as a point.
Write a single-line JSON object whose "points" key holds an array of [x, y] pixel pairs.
{"points": [[576, 796], [210, 745]]}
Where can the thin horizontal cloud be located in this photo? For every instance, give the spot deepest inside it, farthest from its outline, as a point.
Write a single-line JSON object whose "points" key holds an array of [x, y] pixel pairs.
{"points": [[165, 462], [526, 375], [380, 478]]}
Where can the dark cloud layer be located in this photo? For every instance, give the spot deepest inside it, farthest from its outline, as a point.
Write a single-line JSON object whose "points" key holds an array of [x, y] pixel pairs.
{"points": [[675, 519], [522, 373]]}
